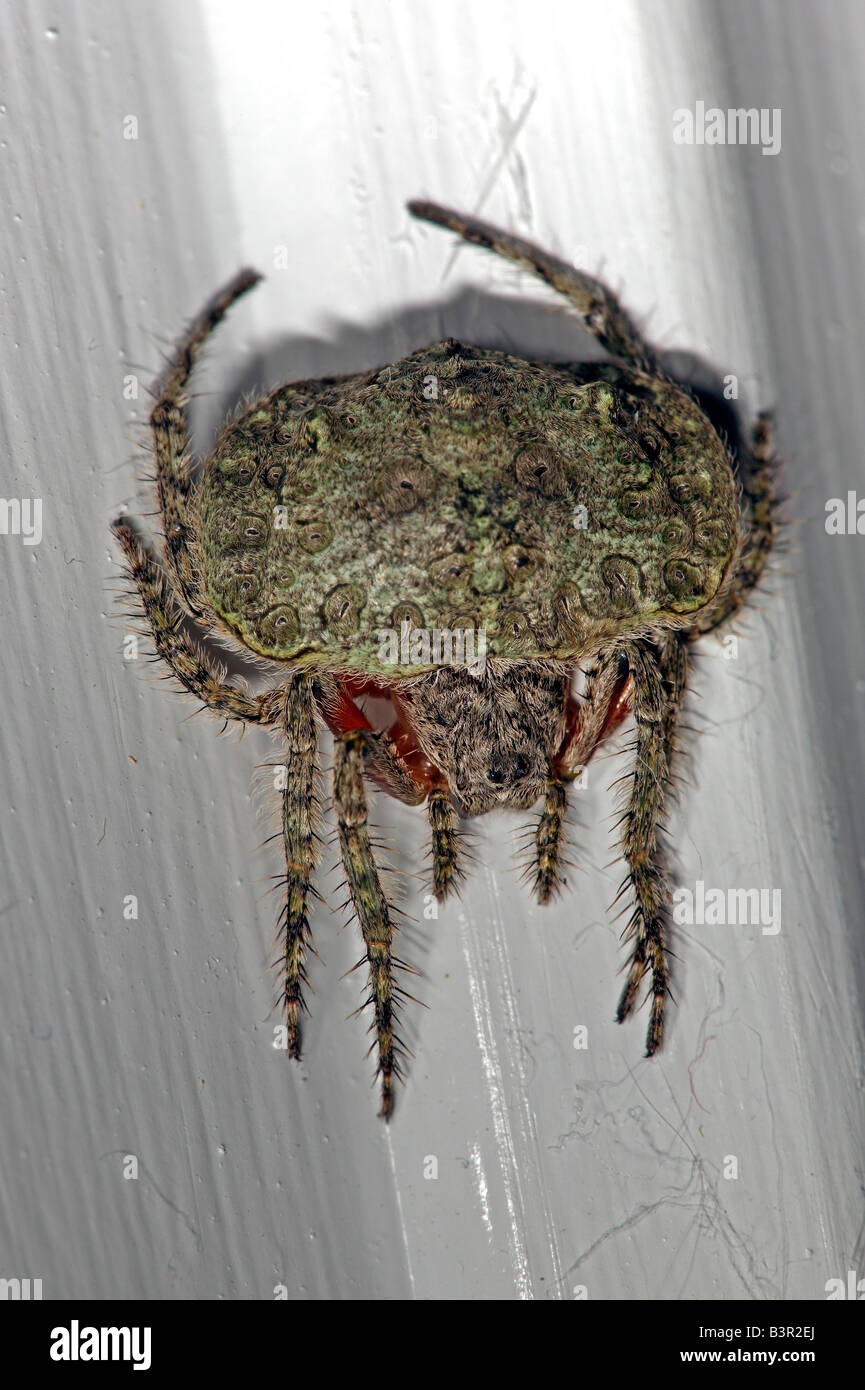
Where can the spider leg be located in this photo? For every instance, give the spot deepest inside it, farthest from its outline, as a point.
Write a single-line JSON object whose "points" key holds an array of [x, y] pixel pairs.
{"points": [[292, 708], [599, 308], [447, 870], [384, 765], [760, 506], [674, 659], [548, 840], [295, 704], [409, 778], [659, 680], [170, 430], [606, 702], [193, 666], [370, 903]]}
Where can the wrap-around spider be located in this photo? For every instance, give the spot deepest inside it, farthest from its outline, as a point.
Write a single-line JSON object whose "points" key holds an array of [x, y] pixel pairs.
{"points": [[573, 515]]}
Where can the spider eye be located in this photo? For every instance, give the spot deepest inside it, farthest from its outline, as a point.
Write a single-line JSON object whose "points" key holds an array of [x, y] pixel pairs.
{"points": [[502, 772]]}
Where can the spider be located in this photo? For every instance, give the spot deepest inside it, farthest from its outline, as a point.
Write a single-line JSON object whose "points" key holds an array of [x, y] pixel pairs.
{"points": [[572, 516]]}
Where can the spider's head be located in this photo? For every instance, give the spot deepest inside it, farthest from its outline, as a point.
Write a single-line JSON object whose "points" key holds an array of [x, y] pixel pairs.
{"points": [[493, 736]]}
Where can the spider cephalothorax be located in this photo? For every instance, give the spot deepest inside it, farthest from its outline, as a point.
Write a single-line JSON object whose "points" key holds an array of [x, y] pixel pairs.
{"points": [[493, 735], [550, 517]]}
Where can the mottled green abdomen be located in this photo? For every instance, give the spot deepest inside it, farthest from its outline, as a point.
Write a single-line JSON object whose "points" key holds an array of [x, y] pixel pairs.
{"points": [[464, 489]]}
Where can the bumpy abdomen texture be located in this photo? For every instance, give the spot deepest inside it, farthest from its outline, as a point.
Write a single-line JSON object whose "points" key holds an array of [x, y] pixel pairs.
{"points": [[463, 489]]}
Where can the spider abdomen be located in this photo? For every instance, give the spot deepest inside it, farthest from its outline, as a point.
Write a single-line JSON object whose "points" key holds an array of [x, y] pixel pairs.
{"points": [[546, 506]]}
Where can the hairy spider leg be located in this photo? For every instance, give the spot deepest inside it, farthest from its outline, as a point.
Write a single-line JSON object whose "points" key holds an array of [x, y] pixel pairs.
{"points": [[598, 307], [588, 722], [170, 430], [295, 709], [760, 504], [659, 681], [193, 665]]}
